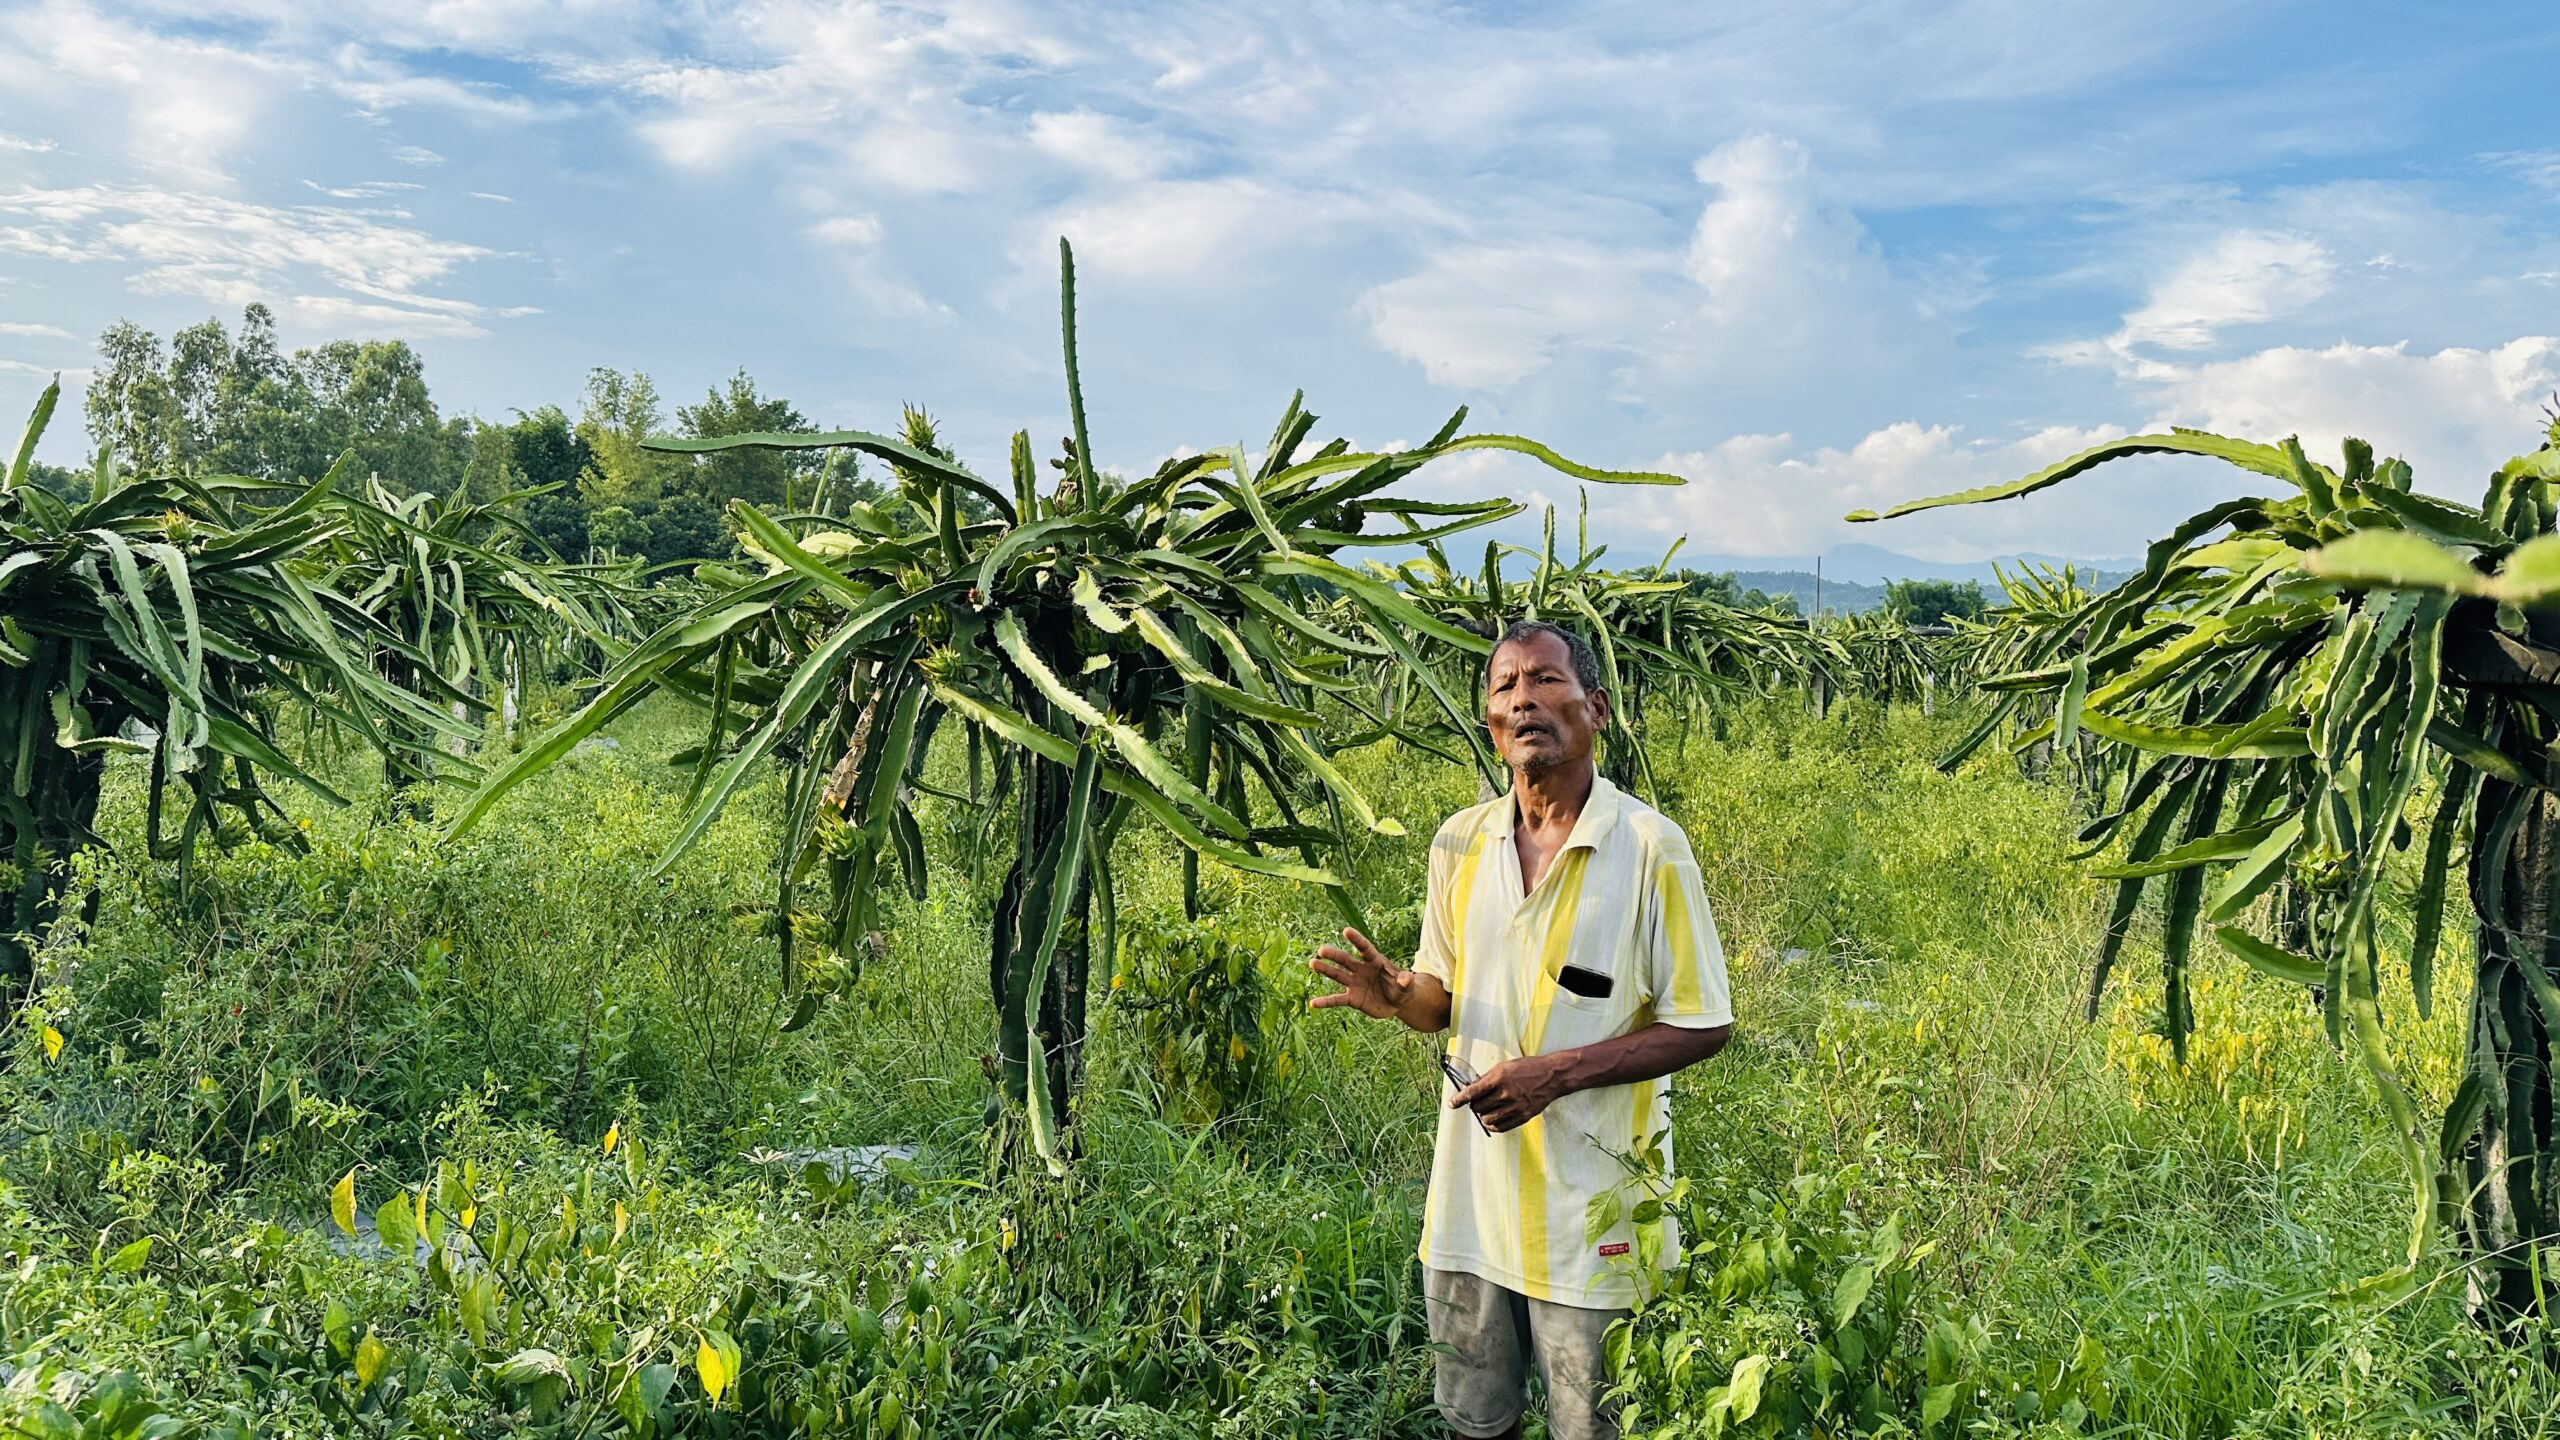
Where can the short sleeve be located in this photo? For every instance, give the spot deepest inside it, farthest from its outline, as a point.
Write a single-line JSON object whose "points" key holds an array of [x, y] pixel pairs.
{"points": [[1439, 948], [1684, 960]]}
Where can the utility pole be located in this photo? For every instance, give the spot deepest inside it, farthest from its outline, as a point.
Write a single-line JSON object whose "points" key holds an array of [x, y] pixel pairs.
{"points": [[1821, 682]]}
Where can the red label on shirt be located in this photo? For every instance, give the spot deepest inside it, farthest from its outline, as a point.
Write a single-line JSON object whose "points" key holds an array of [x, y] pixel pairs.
{"points": [[1611, 1251]]}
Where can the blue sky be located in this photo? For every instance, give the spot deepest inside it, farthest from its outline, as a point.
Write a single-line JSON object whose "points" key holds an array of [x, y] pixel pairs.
{"points": [[1815, 256]]}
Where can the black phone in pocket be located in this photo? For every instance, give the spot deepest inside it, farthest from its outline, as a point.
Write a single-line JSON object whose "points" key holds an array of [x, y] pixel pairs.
{"points": [[1589, 984]]}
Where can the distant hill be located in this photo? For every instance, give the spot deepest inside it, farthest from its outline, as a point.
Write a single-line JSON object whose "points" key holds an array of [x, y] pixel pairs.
{"points": [[1854, 576], [1843, 596]]}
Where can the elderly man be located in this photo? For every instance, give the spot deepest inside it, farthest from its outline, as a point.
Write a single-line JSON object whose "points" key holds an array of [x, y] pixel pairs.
{"points": [[1566, 944]]}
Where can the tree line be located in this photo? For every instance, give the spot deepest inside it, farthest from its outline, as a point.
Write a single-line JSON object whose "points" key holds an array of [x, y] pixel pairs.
{"points": [[1913, 602], [212, 400]]}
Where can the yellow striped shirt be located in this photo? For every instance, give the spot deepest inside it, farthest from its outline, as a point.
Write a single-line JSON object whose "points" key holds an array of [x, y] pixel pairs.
{"points": [[1622, 898]]}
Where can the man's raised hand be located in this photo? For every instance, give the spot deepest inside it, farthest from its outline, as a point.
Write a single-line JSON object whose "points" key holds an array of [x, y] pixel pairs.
{"points": [[1369, 983]]}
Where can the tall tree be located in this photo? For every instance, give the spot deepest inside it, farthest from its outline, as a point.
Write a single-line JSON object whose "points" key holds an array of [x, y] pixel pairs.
{"points": [[546, 451], [756, 476], [371, 396], [619, 412], [1934, 602], [129, 407], [212, 404]]}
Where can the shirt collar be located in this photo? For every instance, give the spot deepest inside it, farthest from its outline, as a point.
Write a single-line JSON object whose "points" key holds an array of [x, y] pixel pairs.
{"points": [[1599, 813]]}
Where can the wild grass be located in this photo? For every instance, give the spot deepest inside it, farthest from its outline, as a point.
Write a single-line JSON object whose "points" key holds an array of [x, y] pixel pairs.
{"points": [[1909, 959]]}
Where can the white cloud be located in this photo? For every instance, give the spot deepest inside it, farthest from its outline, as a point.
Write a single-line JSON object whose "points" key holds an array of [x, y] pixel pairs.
{"points": [[1104, 144], [2536, 167], [418, 155], [1774, 280], [882, 93], [364, 190], [2246, 277], [73, 374], [189, 103], [1780, 269], [851, 231], [25, 145], [34, 332], [183, 103], [1485, 317], [2242, 277], [231, 252], [1766, 495], [1191, 232], [2454, 415]]}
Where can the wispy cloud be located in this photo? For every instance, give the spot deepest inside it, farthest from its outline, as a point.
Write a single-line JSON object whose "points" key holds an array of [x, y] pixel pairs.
{"points": [[212, 247], [1817, 253], [366, 190], [2535, 167], [1773, 278], [34, 332]]}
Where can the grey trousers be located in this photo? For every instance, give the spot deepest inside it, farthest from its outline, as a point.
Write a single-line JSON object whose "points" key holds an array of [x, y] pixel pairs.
{"points": [[1491, 1334]]}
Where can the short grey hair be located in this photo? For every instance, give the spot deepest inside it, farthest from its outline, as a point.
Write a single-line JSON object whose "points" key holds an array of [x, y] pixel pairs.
{"points": [[1586, 661]]}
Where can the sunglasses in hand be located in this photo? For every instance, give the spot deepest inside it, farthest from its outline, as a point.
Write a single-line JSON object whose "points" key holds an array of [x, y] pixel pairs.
{"points": [[1462, 1077]]}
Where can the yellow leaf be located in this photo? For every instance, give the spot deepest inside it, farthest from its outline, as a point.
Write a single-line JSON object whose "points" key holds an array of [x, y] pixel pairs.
{"points": [[612, 1136], [342, 1202], [371, 1354], [52, 1042], [621, 1220], [715, 1370], [469, 1214]]}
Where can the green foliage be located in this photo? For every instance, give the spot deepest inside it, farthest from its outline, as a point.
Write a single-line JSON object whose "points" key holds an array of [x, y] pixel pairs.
{"points": [[760, 477], [1724, 589], [1884, 659], [1801, 1312], [1076, 637], [1934, 602], [1666, 645], [1256, 1285], [255, 1020], [166, 607], [466, 600], [50, 1402], [2296, 672], [1214, 1008], [216, 404]]}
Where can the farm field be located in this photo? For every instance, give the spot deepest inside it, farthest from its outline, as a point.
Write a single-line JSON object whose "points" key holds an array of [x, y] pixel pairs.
{"points": [[523, 1036], [951, 720]]}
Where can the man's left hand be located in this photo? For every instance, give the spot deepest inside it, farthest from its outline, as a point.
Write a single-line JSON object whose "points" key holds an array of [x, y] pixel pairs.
{"points": [[1514, 1092]]}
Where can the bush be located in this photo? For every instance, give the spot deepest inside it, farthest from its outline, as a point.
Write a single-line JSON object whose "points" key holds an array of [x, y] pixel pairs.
{"points": [[1213, 1010], [1801, 1313]]}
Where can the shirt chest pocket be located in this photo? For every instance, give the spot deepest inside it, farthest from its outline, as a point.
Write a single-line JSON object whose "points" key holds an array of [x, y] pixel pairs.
{"points": [[1587, 1002]]}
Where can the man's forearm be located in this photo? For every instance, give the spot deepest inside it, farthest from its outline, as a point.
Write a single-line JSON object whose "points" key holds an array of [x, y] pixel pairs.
{"points": [[1424, 1005], [1648, 1054]]}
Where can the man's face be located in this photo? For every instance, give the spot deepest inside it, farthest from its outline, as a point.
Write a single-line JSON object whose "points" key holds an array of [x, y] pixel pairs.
{"points": [[1536, 708]]}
